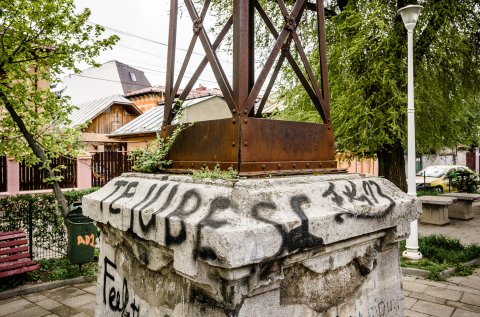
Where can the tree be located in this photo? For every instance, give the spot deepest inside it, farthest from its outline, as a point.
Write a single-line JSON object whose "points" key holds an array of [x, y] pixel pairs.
{"points": [[368, 79], [39, 41]]}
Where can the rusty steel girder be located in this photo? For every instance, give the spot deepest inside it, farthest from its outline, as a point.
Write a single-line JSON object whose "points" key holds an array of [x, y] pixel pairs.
{"points": [[247, 142]]}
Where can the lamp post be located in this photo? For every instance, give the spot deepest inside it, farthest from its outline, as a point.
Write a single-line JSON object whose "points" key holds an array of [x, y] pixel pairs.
{"points": [[410, 15]]}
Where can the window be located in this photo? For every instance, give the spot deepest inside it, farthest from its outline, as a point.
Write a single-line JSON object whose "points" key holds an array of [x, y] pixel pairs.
{"points": [[133, 77]]}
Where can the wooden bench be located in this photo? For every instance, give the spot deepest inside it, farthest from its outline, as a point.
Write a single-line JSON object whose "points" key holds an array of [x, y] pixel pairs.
{"points": [[435, 209], [14, 255], [462, 207]]}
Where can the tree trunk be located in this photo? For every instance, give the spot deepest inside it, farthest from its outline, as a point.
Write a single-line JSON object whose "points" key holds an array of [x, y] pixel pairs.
{"points": [[37, 150], [391, 165]]}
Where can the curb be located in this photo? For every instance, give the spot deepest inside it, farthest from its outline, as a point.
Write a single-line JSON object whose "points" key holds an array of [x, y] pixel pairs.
{"points": [[446, 273], [34, 288]]}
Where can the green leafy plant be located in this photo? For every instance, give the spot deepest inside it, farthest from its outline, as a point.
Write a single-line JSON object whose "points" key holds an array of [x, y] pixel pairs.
{"points": [[464, 181], [440, 253], [51, 270], [152, 159], [216, 173]]}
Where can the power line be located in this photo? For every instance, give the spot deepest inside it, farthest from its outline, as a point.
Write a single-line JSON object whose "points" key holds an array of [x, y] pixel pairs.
{"points": [[154, 65], [148, 40], [124, 82], [163, 72]]}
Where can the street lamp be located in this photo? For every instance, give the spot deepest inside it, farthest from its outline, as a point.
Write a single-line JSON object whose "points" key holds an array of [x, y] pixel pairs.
{"points": [[410, 15]]}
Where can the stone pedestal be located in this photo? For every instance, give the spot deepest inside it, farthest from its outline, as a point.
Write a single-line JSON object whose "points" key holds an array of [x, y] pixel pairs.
{"points": [[293, 246], [462, 206], [435, 209]]}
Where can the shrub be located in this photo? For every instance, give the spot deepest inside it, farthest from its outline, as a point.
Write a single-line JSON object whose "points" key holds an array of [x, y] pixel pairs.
{"points": [[464, 181], [152, 159]]}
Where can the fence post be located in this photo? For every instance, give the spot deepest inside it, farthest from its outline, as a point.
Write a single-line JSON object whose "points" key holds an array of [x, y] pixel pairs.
{"points": [[84, 173], [30, 232], [13, 176]]}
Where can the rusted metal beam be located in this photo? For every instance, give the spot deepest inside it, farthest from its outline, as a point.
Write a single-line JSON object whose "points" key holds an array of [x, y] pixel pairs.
{"points": [[253, 145], [322, 46], [241, 54], [293, 63], [201, 67], [249, 103], [189, 53], [312, 78], [258, 114], [220, 76], [172, 46]]}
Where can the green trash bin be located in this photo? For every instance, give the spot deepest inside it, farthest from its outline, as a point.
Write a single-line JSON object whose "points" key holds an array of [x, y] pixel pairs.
{"points": [[82, 234]]}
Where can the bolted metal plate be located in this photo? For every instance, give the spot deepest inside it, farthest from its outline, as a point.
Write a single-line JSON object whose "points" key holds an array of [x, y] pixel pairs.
{"points": [[254, 146]]}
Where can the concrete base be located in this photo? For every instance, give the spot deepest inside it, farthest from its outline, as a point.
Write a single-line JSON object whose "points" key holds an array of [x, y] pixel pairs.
{"points": [[435, 209], [297, 246], [462, 207]]}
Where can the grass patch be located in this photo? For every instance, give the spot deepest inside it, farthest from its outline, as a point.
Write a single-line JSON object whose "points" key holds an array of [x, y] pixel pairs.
{"points": [[440, 253], [427, 192], [216, 173], [50, 270]]}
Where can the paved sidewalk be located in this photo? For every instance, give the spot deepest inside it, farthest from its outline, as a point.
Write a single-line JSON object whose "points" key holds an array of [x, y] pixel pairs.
{"points": [[467, 231], [68, 301], [456, 297]]}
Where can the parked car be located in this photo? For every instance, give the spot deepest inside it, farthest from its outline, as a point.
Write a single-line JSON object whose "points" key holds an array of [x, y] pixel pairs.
{"points": [[435, 177]]}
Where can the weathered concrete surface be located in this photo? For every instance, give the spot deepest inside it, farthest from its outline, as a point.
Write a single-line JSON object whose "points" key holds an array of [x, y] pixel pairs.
{"points": [[435, 209], [462, 207], [293, 246]]}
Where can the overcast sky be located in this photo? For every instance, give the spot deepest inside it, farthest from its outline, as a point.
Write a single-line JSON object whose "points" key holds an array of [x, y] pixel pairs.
{"points": [[143, 29]]}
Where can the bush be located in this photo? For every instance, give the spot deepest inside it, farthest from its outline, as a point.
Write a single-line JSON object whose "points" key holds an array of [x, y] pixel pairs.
{"points": [[50, 270], [152, 159], [465, 181]]}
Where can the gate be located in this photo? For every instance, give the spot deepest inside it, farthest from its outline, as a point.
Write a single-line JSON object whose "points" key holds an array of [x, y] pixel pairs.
{"points": [[471, 162], [3, 173], [108, 165]]}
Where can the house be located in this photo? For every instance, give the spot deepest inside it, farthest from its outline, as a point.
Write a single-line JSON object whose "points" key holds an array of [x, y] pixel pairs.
{"points": [[101, 117], [147, 98], [144, 129], [110, 78], [150, 97]]}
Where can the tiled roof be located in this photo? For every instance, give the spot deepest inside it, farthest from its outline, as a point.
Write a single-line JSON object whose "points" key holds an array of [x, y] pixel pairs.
{"points": [[146, 90], [91, 109], [128, 83]]}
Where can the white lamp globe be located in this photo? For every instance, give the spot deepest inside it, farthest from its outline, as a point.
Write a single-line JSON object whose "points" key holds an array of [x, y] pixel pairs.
{"points": [[410, 15]]}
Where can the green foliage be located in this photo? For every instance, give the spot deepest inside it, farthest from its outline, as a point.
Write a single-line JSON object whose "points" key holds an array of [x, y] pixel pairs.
{"points": [[441, 252], [367, 59], [51, 270], [152, 159], [464, 181], [41, 40], [427, 192], [216, 173], [49, 232]]}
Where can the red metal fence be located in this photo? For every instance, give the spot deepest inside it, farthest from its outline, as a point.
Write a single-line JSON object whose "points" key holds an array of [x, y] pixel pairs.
{"points": [[3, 173], [31, 178], [107, 165]]}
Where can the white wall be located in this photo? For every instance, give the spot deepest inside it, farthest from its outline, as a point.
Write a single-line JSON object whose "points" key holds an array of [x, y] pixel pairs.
{"points": [[93, 83], [446, 158], [210, 109]]}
